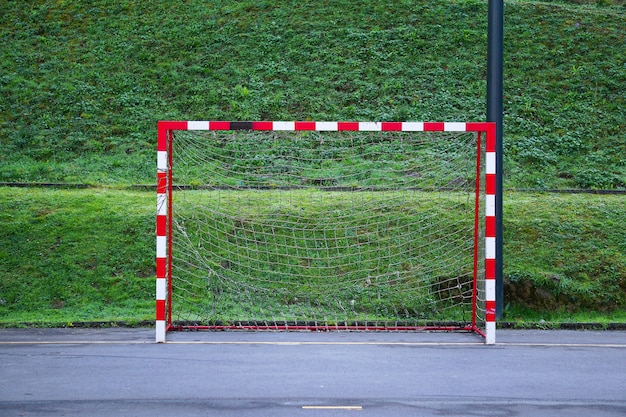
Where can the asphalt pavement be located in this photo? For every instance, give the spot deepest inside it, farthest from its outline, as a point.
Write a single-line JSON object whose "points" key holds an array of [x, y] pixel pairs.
{"points": [[115, 371]]}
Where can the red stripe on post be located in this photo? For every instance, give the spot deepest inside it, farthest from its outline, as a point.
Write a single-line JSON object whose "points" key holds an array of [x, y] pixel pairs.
{"points": [[477, 126], [161, 182], [262, 125], [161, 226], [160, 309], [490, 145], [391, 126], [490, 269], [490, 310], [490, 184], [433, 127], [161, 268], [348, 126], [161, 138], [305, 125], [219, 125], [172, 125], [490, 226], [489, 128], [163, 127]]}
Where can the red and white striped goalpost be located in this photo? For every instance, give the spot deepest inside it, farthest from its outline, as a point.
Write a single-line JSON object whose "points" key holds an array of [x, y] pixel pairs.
{"points": [[164, 199]]}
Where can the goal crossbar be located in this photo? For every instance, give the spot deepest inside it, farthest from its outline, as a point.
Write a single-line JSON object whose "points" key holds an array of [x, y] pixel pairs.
{"points": [[165, 223]]}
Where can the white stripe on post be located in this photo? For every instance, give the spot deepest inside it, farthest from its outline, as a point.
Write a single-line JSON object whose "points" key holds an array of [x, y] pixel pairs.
{"points": [[198, 125], [160, 331], [284, 126], [161, 246], [412, 126], [326, 126], [161, 289], [161, 205], [490, 163], [370, 127], [490, 333], [454, 127], [162, 161], [490, 289], [490, 248], [490, 205]]}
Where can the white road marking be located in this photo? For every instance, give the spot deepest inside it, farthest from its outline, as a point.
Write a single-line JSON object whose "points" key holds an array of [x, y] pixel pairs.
{"points": [[332, 407]]}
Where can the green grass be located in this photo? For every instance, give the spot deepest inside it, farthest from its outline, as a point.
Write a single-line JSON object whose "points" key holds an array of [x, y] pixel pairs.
{"points": [[519, 317], [575, 260], [87, 255], [71, 255], [83, 84]]}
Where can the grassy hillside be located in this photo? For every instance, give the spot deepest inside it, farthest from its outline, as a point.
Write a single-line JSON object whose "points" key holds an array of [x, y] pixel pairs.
{"points": [[76, 255], [83, 83], [87, 255]]}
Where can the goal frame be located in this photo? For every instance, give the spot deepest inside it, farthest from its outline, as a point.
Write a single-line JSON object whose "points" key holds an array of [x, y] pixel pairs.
{"points": [[165, 130]]}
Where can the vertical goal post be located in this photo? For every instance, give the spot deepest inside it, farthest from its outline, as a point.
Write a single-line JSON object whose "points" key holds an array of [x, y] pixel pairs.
{"points": [[322, 250]]}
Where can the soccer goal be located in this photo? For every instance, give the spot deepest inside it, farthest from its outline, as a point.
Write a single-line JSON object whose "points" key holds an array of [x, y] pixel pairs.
{"points": [[319, 226]]}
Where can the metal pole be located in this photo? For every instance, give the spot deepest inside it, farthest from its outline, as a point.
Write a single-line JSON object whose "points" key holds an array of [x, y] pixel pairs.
{"points": [[495, 41]]}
